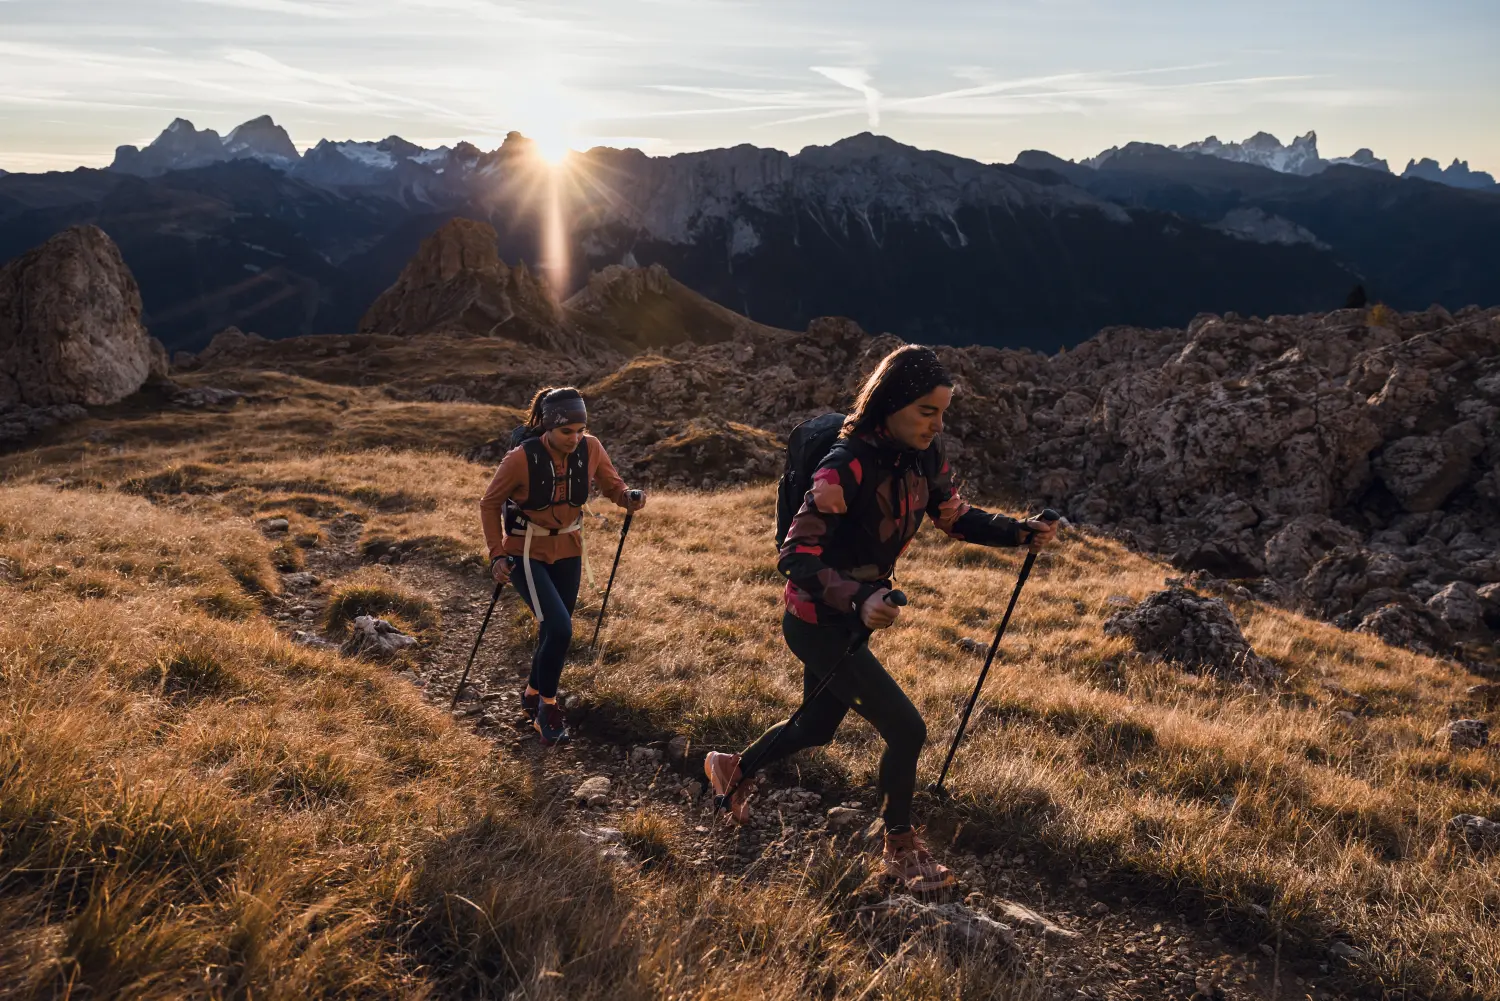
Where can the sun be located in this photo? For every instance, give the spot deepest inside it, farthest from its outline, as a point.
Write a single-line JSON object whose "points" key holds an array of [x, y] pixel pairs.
{"points": [[553, 150]]}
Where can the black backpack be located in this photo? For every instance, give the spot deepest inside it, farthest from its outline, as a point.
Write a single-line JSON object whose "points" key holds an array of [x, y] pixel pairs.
{"points": [[806, 447]]}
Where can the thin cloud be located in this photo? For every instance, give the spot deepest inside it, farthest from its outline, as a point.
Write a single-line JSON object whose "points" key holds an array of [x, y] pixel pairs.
{"points": [[858, 80], [321, 9]]}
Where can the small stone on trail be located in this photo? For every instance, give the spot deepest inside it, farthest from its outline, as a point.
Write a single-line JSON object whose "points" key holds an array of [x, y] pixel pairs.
{"points": [[645, 756], [969, 644], [593, 791], [677, 747], [842, 818], [300, 579], [1026, 918], [1099, 909], [376, 636], [276, 524], [961, 928], [311, 639]]}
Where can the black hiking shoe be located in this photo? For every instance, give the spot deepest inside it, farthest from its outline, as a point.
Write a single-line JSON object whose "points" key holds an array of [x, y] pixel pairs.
{"points": [[529, 704], [549, 724]]}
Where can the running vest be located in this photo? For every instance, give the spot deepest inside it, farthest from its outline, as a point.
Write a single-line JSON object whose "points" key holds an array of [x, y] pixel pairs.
{"points": [[542, 484]]}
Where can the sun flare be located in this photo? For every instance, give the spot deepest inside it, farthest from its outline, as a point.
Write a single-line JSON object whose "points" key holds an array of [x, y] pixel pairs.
{"points": [[552, 150]]}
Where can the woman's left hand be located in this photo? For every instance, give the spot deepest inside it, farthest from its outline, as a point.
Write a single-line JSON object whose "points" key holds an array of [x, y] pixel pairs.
{"points": [[1043, 533], [635, 500]]}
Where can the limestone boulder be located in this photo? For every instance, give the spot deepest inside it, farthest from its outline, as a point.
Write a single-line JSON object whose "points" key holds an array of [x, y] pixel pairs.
{"points": [[1303, 541], [1459, 606], [70, 325], [1197, 632], [1422, 471], [1407, 623]]}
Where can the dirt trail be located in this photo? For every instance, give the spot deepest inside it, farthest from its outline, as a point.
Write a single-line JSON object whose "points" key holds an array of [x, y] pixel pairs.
{"points": [[1081, 934]]}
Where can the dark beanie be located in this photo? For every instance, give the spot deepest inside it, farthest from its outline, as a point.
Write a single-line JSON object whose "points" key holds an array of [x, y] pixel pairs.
{"points": [[919, 373], [563, 406]]}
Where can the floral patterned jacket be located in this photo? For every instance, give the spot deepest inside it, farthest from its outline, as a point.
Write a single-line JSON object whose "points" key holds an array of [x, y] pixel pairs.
{"points": [[867, 501]]}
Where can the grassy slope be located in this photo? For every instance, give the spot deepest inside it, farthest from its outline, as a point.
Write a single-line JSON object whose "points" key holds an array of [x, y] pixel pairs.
{"points": [[1253, 800], [194, 806]]}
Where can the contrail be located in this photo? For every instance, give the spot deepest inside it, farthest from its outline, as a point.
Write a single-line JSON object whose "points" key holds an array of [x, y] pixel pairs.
{"points": [[855, 79]]}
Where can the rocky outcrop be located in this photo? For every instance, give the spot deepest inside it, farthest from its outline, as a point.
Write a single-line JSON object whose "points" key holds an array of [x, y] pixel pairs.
{"points": [[1346, 464], [707, 451], [70, 326], [1196, 632], [457, 283], [1353, 457]]}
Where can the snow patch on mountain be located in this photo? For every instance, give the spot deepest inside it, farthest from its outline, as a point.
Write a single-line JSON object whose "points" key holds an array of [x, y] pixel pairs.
{"points": [[367, 154], [1265, 150]]}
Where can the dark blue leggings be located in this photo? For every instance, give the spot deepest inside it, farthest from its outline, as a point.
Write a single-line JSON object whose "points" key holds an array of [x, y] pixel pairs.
{"points": [[557, 588]]}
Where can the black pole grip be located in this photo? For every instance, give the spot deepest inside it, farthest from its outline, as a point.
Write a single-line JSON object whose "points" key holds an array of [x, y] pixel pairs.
{"points": [[1049, 515], [897, 598]]}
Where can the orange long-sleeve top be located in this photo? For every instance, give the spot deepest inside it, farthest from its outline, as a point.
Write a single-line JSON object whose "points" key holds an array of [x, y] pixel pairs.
{"points": [[512, 481]]}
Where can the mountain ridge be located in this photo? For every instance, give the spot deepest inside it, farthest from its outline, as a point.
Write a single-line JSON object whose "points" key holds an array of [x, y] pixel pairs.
{"points": [[928, 245]]}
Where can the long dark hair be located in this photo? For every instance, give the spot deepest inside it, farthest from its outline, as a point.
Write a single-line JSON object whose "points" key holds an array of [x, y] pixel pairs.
{"points": [[534, 415], [902, 377]]}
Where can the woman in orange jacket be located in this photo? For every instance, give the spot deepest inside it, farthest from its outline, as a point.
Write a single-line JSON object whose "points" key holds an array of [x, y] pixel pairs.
{"points": [[533, 518]]}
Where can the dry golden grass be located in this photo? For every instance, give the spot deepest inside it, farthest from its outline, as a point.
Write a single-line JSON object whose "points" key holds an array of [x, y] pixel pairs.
{"points": [[194, 806], [1257, 800], [1263, 803]]}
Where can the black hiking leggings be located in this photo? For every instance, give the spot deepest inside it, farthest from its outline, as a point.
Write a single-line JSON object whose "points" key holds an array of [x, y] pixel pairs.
{"points": [[862, 684], [557, 590]]}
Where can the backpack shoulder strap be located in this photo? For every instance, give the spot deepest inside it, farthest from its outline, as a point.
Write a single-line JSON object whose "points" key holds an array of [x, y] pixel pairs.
{"points": [[578, 474], [541, 480]]}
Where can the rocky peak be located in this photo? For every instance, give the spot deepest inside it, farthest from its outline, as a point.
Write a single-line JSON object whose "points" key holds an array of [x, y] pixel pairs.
{"points": [[1364, 157], [70, 325], [1457, 174], [179, 146], [1265, 150], [458, 283], [262, 139]]}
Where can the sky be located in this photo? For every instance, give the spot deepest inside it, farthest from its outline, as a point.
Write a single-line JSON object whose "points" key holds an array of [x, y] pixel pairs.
{"points": [[980, 79]]}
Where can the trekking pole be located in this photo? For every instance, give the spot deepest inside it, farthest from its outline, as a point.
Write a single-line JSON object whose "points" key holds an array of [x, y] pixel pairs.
{"points": [[861, 635], [482, 627], [633, 495], [936, 788]]}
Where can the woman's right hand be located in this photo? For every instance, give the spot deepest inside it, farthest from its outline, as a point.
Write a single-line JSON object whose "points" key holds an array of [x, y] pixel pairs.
{"points": [[876, 612], [500, 570]]}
